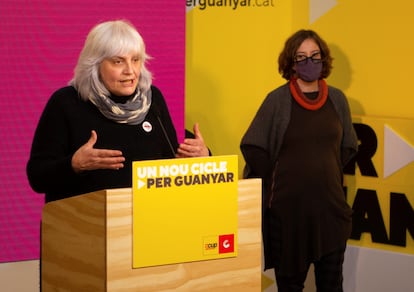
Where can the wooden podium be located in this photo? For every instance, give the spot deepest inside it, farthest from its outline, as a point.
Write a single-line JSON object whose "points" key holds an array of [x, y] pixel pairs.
{"points": [[87, 246]]}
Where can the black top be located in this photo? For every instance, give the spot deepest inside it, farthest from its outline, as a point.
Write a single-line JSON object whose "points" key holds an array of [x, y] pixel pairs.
{"points": [[310, 214], [261, 146], [307, 210], [66, 124]]}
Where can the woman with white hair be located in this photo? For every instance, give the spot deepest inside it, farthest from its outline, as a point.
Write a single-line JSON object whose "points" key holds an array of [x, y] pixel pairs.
{"points": [[108, 116]]}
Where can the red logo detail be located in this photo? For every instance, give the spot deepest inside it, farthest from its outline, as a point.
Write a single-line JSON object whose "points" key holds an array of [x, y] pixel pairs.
{"points": [[226, 243]]}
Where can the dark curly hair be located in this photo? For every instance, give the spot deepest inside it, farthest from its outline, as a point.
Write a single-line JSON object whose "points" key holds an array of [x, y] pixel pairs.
{"points": [[286, 57]]}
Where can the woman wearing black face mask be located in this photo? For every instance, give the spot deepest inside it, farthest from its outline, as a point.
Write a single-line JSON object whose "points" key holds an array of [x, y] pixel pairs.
{"points": [[298, 143]]}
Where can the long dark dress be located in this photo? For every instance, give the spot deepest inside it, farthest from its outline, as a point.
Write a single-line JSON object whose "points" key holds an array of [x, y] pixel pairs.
{"points": [[309, 213]]}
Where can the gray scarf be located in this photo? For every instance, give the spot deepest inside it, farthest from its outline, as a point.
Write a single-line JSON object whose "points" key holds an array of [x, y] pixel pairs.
{"points": [[132, 112]]}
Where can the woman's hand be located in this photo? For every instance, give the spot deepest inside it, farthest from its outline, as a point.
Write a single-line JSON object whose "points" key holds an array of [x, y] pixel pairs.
{"points": [[193, 147], [89, 158]]}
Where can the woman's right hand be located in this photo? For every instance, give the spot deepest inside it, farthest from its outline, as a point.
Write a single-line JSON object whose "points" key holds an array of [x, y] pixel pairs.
{"points": [[89, 158]]}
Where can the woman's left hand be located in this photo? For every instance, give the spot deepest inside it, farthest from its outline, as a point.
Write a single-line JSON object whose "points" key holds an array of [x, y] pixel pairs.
{"points": [[193, 147]]}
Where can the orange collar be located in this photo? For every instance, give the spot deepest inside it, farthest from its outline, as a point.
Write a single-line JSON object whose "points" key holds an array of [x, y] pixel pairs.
{"points": [[309, 104]]}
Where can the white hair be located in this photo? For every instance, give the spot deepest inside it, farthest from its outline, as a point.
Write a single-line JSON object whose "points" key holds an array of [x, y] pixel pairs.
{"points": [[106, 40]]}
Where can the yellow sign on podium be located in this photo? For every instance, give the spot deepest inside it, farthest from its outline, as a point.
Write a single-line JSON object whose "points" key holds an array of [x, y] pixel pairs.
{"points": [[184, 210]]}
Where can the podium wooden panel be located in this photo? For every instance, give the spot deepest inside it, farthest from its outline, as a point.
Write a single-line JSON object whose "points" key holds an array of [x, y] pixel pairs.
{"points": [[87, 246]]}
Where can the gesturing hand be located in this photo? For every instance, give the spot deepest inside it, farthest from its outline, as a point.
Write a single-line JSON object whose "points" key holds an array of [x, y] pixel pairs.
{"points": [[193, 147], [89, 158]]}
